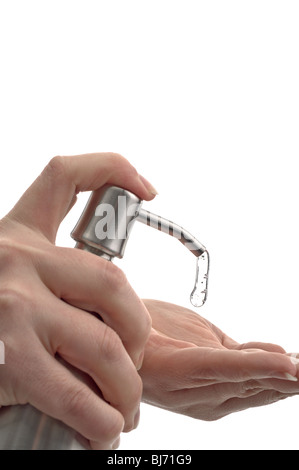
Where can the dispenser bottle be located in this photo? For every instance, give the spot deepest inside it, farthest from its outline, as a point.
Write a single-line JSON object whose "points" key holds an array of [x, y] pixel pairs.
{"points": [[103, 229]]}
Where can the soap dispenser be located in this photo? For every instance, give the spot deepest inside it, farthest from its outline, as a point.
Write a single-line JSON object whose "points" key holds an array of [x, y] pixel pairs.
{"points": [[103, 229], [106, 223]]}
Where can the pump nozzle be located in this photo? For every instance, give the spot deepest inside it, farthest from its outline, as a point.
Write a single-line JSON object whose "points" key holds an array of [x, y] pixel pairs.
{"points": [[170, 228], [107, 220]]}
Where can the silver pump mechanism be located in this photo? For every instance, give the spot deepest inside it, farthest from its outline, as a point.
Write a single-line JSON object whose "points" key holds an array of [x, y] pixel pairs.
{"points": [[107, 220]]}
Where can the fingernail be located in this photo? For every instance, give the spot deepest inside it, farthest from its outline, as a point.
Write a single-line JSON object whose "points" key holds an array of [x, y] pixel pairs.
{"points": [[137, 419], [294, 359], [140, 361], [290, 377], [115, 444], [148, 185]]}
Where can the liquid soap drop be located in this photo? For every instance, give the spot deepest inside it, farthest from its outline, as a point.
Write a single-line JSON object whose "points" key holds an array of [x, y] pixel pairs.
{"points": [[199, 294]]}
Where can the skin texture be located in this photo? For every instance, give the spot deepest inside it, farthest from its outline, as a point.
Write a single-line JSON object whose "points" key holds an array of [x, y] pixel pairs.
{"points": [[46, 294], [192, 368]]}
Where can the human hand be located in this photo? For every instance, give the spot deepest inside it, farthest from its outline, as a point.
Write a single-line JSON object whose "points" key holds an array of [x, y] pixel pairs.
{"points": [[192, 368], [46, 294]]}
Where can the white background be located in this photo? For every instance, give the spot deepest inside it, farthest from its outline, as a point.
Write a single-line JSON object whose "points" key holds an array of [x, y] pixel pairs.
{"points": [[202, 97]]}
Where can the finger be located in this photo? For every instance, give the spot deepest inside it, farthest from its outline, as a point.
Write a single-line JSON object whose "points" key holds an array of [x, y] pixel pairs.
{"points": [[263, 398], [248, 388], [203, 402], [233, 365], [47, 201], [232, 344], [294, 357], [97, 285], [264, 346], [56, 392], [94, 348]]}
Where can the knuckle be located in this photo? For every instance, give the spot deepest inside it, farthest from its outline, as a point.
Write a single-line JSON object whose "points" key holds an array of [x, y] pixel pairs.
{"points": [[14, 294], [138, 333], [248, 388], [113, 427], [12, 300], [133, 397], [131, 402], [73, 402], [117, 160], [137, 389], [56, 167], [10, 254], [110, 346], [119, 163], [7, 255], [114, 277], [130, 172], [147, 325]]}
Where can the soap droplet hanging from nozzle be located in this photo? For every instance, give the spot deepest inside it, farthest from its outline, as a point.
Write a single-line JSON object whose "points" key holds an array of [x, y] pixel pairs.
{"points": [[199, 294]]}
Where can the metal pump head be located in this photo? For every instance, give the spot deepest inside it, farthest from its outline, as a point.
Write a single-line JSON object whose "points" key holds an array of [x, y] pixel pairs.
{"points": [[107, 220]]}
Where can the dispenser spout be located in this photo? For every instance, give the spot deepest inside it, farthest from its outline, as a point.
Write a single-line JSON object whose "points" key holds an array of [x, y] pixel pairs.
{"points": [[200, 291], [107, 220], [172, 229]]}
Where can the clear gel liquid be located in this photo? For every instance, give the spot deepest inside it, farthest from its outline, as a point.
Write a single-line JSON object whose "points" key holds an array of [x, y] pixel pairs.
{"points": [[200, 291]]}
